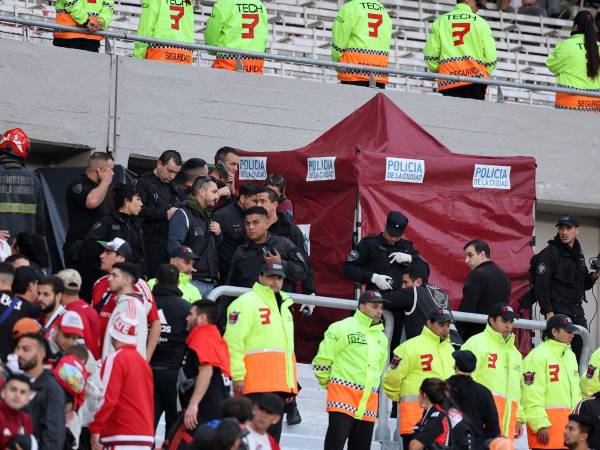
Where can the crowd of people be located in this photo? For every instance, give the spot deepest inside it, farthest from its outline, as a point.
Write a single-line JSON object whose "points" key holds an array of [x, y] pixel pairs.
{"points": [[93, 355], [460, 42]]}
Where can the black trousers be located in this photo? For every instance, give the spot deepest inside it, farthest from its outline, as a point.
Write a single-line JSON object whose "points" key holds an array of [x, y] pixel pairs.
{"points": [[406, 438], [364, 84], [474, 91], [156, 254], [342, 428], [165, 396], [89, 45]]}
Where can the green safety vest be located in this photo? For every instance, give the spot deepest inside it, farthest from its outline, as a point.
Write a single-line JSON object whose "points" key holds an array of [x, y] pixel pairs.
{"points": [[238, 25], [550, 390], [499, 369], [590, 380], [77, 12], [349, 364], [568, 62], [361, 34], [189, 292], [170, 20], [460, 43], [260, 337]]}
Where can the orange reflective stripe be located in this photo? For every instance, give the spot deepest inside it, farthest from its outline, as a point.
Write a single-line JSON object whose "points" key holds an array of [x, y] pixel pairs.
{"points": [[250, 65], [559, 417], [170, 54], [266, 372], [464, 67], [363, 58], [410, 415], [64, 18], [345, 397], [577, 102]]}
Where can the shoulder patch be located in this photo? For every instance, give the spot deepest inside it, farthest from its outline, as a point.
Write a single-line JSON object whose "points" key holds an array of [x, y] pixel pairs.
{"points": [[528, 378], [395, 361], [233, 317], [541, 268], [353, 256], [589, 373], [97, 226], [77, 188]]}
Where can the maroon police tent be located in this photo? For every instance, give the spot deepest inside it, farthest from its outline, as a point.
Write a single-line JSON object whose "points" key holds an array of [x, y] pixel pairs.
{"points": [[382, 157]]}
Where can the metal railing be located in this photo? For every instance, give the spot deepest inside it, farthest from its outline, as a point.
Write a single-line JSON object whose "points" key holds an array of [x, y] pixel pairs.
{"points": [[298, 60]]}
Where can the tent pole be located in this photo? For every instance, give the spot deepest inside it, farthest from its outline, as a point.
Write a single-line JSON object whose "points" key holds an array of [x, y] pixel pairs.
{"points": [[357, 236]]}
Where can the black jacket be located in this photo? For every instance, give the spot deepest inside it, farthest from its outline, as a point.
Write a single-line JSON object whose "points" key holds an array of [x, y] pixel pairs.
{"points": [[158, 198], [22, 206], [477, 404], [47, 409], [21, 308], [81, 218], [191, 228], [372, 256], [561, 278], [172, 310], [591, 407], [112, 225], [285, 228], [485, 286], [249, 258], [231, 220]]}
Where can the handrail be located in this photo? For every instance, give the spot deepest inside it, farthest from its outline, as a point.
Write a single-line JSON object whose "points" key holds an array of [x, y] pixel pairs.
{"points": [[382, 431], [294, 59]]}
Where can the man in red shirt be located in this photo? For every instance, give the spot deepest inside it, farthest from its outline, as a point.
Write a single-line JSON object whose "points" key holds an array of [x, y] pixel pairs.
{"points": [[71, 302], [14, 397], [119, 251], [126, 417]]}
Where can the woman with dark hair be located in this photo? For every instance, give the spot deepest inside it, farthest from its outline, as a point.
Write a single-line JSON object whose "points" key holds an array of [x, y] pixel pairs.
{"points": [[442, 425], [33, 247], [576, 63], [121, 222]]}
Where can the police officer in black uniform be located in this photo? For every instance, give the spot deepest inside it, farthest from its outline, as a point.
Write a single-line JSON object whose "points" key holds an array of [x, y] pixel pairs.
{"points": [[261, 247], [122, 223], [161, 198], [231, 219], [86, 204], [561, 276]]}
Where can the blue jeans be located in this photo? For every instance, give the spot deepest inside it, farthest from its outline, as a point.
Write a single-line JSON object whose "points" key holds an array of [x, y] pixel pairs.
{"points": [[203, 286]]}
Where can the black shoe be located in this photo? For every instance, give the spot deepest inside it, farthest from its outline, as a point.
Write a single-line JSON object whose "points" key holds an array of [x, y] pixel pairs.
{"points": [[293, 417]]}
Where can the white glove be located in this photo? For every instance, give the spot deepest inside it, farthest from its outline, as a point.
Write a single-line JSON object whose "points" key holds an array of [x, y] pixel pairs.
{"points": [[307, 310], [383, 282], [400, 258]]}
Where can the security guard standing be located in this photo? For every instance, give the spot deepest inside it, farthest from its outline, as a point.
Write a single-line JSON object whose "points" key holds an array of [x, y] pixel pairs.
{"points": [[361, 34], [499, 367], [428, 355], [240, 26], [348, 364], [260, 337], [379, 261], [21, 197], [550, 388], [461, 43], [86, 203], [89, 15], [561, 276], [576, 63], [171, 20]]}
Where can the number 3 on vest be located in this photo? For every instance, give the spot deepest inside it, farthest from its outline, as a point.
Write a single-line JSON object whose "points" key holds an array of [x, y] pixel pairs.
{"points": [[426, 361], [265, 316], [465, 27], [250, 26], [179, 12], [374, 26]]}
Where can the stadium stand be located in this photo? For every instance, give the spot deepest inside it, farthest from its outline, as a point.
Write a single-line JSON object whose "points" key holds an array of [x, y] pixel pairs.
{"points": [[302, 28]]}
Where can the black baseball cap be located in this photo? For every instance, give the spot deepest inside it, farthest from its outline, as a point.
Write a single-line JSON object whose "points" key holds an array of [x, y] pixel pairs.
{"points": [[272, 403], [442, 315], [567, 219], [465, 360], [396, 223], [371, 296], [183, 252], [272, 268], [560, 321], [503, 310]]}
